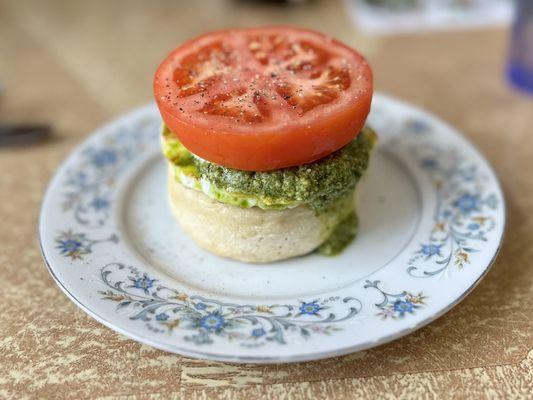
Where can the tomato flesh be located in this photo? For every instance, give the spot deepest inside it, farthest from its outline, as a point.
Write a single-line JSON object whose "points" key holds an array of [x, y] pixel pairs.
{"points": [[263, 99]]}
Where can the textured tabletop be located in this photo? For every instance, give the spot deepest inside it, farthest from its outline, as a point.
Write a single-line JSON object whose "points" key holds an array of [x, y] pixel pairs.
{"points": [[76, 65]]}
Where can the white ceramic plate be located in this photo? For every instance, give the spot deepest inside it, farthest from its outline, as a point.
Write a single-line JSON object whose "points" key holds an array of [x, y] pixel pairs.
{"points": [[431, 221]]}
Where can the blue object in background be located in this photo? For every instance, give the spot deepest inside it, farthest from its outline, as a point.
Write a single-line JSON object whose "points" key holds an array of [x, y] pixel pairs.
{"points": [[520, 69]]}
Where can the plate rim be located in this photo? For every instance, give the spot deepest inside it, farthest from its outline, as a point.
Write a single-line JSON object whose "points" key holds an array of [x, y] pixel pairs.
{"points": [[173, 348], [243, 359]]}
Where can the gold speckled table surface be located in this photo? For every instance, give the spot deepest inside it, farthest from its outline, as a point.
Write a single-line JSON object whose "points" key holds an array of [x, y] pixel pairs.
{"points": [[76, 64]]}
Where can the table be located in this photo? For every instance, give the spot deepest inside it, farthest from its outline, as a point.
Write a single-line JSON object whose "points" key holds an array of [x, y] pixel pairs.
{"points": [[77, 64]]}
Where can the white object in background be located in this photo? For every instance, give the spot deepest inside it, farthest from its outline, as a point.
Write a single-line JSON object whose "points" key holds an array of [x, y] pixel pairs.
{"points": [[428, 15]]}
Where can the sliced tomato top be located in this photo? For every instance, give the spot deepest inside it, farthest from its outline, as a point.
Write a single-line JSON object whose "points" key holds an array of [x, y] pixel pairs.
{"points": [[263, 99]]}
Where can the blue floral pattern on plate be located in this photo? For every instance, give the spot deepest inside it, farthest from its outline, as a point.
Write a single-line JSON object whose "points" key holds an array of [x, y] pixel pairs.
{"points": [[77, 245], [396, 305], [89, 188], [163, 309], [464, 210]]}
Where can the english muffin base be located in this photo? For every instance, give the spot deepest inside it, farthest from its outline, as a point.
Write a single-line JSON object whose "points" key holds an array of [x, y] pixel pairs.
{"points": [[249, 234]]}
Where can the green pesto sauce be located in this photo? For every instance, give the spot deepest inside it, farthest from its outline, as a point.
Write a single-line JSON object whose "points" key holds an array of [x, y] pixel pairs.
{"points": [[317, 184], [343, 234]]}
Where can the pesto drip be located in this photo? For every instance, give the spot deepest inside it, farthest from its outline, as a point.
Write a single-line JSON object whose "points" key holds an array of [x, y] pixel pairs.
{"points": [[343, 234], [317, 184]]}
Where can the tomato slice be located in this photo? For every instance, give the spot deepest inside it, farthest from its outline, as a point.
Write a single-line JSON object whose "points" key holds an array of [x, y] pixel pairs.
{"points": [[265, 98]]}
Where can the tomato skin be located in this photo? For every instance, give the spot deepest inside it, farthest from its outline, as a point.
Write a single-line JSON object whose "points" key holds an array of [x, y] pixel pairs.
{"points": [[234, 150], [261, 147]]}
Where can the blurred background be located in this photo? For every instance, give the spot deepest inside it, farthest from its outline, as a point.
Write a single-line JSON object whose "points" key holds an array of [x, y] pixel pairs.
{"points": [[68, 66], [73, 64]]}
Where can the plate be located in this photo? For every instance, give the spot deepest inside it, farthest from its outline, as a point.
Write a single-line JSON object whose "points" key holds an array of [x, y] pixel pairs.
{"points": [[431, 214]]}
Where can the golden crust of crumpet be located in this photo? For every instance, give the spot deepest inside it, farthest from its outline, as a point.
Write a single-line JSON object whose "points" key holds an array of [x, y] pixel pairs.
{"points": [[247, 234]]}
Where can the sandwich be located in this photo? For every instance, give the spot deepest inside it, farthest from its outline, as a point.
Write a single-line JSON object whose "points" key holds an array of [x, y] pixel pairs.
{"points": [[264, 133]]}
